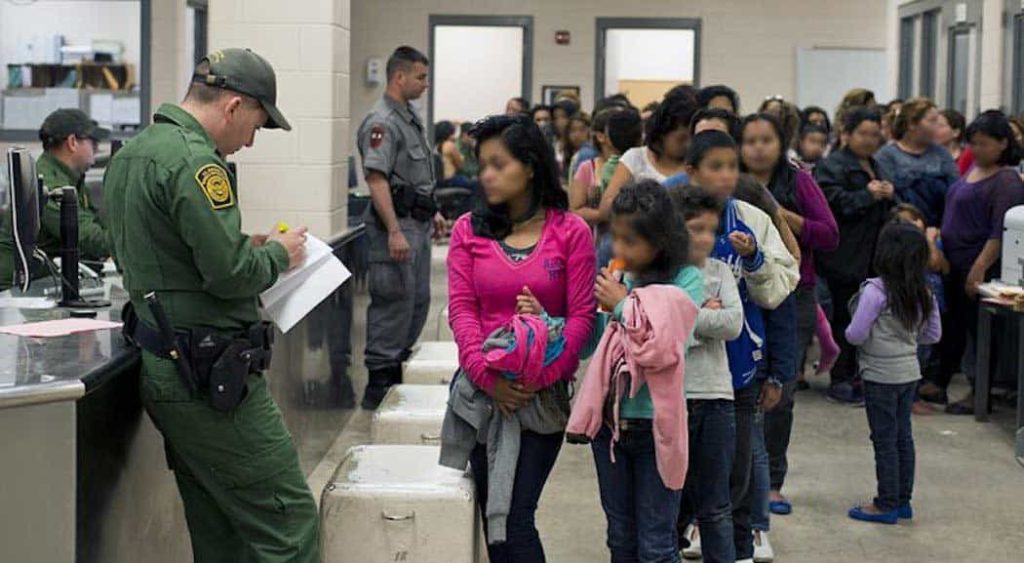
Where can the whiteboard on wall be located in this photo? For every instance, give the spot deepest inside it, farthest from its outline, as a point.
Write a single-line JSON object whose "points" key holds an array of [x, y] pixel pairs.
{"points": [[824, 75]]}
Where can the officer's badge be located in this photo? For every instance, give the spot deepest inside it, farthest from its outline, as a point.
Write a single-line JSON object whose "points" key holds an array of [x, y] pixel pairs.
{"points": [[376, 136], [216, 186]]}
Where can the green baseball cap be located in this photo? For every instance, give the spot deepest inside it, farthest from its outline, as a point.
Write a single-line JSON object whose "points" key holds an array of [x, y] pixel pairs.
{"points": [[66, 122], [245, 72]]}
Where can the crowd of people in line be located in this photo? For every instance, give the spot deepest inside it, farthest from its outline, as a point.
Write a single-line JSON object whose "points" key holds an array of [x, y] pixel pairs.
{"points": [[694, 254]]}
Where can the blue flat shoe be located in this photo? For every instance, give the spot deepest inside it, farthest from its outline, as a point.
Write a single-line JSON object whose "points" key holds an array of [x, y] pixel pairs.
{"points": [[905, 512], [780, 507], [857, 513]]}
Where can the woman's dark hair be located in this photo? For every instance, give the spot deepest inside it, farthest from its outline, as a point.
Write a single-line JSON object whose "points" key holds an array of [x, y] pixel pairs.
{"points": [[625, 129], [681, 92], [651, 214], [812, 128], [809, 129], [901, 259], [694, 201], [522, 102], [957, 122], [569, 150], [910, 112], [600, 124], [443, 130], [808, 111], [525, 141], [538, 108], [652, 107], [619, 101], [674, 112], [993, 123], [732, 122], [909, 209], [853, 117], [783, 182], [703, 142], [708, 93]]}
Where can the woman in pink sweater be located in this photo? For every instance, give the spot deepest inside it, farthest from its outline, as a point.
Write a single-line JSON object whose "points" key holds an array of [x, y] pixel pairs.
{"points": [[523, 244]]}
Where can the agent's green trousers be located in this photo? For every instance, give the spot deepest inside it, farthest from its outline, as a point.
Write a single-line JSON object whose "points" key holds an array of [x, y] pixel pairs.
{"points": [[246, 498]]}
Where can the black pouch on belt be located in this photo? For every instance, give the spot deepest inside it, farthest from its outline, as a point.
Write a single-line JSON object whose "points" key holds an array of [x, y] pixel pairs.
{"points": [[228, 376]]}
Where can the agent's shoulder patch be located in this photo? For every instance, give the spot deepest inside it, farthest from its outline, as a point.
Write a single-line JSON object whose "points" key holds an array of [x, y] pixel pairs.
{"points": [[377, 135], [216, 186]]}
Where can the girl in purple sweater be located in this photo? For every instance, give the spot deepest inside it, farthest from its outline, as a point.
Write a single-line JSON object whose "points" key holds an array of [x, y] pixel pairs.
{"points": [[522, 244], [805, 209]]}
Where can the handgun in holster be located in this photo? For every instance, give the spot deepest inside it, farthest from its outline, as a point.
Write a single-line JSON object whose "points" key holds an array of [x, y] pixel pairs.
{"points": [[209, 361]]}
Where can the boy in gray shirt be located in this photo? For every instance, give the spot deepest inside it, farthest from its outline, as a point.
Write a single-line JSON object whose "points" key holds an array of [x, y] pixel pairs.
{"points": [[709, 391]]}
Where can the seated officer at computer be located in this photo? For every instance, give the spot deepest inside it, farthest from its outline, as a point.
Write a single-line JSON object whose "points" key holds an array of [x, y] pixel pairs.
{"points": [[70, 140]]}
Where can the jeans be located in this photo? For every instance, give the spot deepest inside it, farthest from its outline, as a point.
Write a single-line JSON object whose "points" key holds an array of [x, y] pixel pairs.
{"points": [[760, 484], [739, 482], [537, 455], [888, 409], [706, 494], [778, 422], [641, 512]]}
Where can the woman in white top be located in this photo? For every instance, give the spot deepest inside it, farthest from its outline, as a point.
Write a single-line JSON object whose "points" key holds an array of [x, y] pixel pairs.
{"points": [[663, 154]]}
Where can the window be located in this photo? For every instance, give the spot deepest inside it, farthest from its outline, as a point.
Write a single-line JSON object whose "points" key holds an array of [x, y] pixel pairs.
{"points": [[959, 68], [906, 84], [929, 52], [644, 58], [467, 88], [87, 54]]}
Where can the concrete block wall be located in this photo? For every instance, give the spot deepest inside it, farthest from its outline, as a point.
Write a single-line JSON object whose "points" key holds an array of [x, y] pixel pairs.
{"points": [[300, 176], [749, 45]]}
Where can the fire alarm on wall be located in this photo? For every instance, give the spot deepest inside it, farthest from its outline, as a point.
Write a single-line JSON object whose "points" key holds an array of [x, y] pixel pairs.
{"points": [[562, 37]]}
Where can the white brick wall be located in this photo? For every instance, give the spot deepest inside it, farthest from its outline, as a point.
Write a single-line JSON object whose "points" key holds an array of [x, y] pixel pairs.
{"points": [[301, 176]]}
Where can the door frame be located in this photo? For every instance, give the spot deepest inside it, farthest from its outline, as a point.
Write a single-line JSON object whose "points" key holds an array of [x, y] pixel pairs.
{"points": [[525, 22], [602, 25]]}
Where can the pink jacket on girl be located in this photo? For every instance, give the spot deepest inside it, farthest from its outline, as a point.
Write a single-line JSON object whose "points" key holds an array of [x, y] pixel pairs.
{"points": [[656, 323]]}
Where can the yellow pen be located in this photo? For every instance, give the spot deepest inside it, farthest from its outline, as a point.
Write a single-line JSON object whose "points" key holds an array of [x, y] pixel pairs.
{"points": [[283, 227]]}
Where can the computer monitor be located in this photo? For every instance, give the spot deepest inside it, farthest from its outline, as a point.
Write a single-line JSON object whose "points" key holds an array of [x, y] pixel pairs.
{"points": [[26, 201]]}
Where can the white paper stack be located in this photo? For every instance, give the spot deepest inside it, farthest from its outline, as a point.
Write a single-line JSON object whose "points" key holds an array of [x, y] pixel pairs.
{"points": [[298, 291]]}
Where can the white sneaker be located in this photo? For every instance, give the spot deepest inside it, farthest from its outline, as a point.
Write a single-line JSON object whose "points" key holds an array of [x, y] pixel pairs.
{"points": [[692, 533], [763, 552], [744, 561]]}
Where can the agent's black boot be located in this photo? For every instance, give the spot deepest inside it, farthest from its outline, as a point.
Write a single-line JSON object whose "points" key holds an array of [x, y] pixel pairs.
{"points": [[379, 382]]}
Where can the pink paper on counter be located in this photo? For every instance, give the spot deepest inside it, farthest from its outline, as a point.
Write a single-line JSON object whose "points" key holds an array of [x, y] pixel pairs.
{"points": [[59, 327]]}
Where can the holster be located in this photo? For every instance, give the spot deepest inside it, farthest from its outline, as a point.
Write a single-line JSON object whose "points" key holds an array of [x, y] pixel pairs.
{"points": [[424, 207], [220, 362], [403, 198]]}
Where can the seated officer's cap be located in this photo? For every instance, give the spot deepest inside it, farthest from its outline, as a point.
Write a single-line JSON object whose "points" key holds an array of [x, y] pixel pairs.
{"points": [[66, 122], [245, 72]]}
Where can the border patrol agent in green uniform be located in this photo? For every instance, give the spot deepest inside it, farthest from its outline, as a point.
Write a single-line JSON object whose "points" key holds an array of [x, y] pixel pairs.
{"points": [[175, 225], [399, 170], [70, 140]]}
